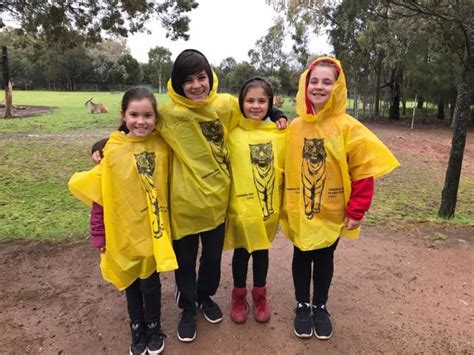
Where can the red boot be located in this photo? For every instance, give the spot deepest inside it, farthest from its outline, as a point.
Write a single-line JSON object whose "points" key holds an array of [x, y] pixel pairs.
{"points": [[240, 308], [260, 304]]}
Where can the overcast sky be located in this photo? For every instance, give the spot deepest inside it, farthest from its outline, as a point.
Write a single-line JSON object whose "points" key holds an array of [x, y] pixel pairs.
{"points": [[219, 29]]}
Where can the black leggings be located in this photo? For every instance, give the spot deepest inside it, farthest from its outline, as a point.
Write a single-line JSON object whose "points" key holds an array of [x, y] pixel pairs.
{"points": [[240, 262], [209, 274], [144, 299], [321, 261]]}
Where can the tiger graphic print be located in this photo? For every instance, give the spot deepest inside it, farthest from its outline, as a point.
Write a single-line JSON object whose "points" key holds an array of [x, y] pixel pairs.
{"points": [[263, 170], [213, 131], [313, 175], [145, 162]]}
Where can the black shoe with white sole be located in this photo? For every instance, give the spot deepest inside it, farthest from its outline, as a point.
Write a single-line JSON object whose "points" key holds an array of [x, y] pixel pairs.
{"points": [[211, 310], [138, 345], [187, 326], [155, 339], [302, 325], [322, 322]]}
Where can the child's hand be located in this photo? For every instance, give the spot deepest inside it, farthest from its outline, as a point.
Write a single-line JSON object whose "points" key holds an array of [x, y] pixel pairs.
{"points": [[351, 224], [281, 123], [95, 157]]}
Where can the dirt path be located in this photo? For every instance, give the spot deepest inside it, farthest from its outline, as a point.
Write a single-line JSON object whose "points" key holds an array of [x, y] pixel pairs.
{"points": [[391, 293]]}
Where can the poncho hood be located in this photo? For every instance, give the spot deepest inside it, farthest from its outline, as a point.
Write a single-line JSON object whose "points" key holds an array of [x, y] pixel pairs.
{"points": [[335, 106], [184, 101]]}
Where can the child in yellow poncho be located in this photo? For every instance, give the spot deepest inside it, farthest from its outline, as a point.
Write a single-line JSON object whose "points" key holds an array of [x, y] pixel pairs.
{"points": [[128, 192], [256, 149], [330, 166]]}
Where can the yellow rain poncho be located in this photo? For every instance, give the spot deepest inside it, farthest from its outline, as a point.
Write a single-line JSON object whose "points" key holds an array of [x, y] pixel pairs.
{"points": [[200, 175], [131, 183], [257, 153], [324, 154]]}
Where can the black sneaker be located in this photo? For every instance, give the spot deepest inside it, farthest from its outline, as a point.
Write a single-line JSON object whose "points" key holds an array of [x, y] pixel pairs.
{"points": [[322, 322], [302, 325], [211, 310], [138, 345], [187, 326], [155, 339]]}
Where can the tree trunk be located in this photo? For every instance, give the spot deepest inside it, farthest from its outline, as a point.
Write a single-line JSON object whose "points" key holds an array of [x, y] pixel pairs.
{"points": [[356, 104], [7, 84], [461, 118], [396, 83], [394, 113], [160, 87], [378, 71], [440, 115]]}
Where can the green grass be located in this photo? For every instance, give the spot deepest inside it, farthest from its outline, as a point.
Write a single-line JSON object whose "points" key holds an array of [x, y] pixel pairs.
{"points": [[39, 155], [413, 193], [69, 114]]}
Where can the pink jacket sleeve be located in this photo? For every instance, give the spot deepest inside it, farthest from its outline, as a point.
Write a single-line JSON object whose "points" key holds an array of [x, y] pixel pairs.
{"points": [[97, 227]]}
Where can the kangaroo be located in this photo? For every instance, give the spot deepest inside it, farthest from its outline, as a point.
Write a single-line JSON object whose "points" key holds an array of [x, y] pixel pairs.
{"points": [[278, 100], [96, 108]]}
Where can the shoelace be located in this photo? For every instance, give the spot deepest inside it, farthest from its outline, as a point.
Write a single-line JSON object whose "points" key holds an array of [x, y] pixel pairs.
{"points": [[303, 308]]}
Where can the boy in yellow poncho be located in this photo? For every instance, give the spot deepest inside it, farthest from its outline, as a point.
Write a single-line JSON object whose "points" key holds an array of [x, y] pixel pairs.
{"points": [[330, 166], [257, 151], [128, 192]]}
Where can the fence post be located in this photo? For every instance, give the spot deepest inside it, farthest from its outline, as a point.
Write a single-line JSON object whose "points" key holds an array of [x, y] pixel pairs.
{"points": [[413, 115]]}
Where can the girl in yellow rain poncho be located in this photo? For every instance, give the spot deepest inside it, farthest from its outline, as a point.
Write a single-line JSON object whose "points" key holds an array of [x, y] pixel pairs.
{"points": [[330, 166], [128, 192], [256, 150]]}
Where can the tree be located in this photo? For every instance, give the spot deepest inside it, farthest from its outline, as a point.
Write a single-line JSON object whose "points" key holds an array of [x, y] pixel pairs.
{"points": [[225, 69], [105, 60], [160, 64], [242, 72], [268, 56], [133, 70], [300, 43], [73, 64], [90, 18], [7, 83], [462, 114]]}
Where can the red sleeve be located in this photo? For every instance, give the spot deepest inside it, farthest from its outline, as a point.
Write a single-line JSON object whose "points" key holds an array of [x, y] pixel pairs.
{"points": [[97, 227], [361, 197]]}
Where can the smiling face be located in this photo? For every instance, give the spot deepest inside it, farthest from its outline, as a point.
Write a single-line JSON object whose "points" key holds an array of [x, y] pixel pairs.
{"points": [[256, 103], [139, 117], [196, 86], [320, 85]]}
